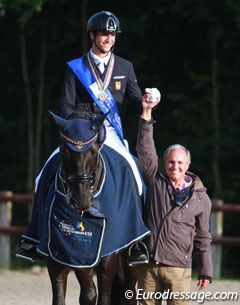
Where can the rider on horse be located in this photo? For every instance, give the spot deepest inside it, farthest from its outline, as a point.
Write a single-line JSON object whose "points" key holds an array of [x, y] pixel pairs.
{"points": [[91, 91]]}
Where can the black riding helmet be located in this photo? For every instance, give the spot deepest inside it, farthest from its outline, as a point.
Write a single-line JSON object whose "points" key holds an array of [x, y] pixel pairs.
{"points": [[103, 21]]}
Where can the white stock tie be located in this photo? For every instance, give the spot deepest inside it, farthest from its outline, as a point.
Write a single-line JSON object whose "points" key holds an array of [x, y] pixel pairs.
{"points": [[101, 66]]}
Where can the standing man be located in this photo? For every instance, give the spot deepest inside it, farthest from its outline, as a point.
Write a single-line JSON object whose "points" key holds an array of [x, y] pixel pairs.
{"points": [[177, 214]]}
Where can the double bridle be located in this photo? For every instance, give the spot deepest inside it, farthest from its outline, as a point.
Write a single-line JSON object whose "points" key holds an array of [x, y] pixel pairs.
{"points": [[79, 177], [67, 178]]}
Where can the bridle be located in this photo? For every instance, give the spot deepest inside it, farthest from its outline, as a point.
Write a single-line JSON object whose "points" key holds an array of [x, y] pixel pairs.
{"points": [[80, 177], [79, 144], [68, 178]]}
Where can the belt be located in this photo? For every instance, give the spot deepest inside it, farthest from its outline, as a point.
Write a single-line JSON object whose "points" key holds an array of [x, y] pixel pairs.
{"points": [[153, 261]]}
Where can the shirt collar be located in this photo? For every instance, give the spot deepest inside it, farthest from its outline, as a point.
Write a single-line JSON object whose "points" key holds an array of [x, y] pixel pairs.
{"points": [[187, 182], [98, 59]]}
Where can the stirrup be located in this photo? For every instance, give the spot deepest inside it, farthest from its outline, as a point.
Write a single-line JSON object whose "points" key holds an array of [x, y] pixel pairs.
{"points": [[27, 250], [138, 254]]}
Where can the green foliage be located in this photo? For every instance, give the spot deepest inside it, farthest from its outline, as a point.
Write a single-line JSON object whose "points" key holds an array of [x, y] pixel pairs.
{"points": [[25, 8]]}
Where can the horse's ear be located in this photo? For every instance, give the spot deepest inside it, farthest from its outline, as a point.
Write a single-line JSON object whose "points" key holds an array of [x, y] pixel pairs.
{"points": [[98, 125], [99, 120], [102, 134], [61, 123]]}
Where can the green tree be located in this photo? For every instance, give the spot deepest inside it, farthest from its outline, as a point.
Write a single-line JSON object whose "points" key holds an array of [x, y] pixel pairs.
{"points": [[33, 20]]}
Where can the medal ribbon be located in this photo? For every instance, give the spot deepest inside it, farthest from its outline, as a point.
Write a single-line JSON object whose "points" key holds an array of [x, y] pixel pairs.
{"points": [[102, 85], [85, 75]]}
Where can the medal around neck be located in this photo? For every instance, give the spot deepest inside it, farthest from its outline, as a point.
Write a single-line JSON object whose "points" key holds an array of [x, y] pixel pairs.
{"points": [[102, 85], [102, 96]]}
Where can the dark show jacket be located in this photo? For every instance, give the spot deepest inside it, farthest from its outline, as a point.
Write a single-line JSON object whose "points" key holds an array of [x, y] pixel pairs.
{"points": [[175, 230], [123, 84]]}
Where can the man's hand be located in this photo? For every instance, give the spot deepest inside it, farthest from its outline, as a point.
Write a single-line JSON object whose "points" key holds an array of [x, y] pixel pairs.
{"points": [[203, 283], [148, 105]]}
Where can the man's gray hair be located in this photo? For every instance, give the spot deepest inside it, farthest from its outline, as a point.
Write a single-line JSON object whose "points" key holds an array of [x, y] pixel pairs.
{"points": [[177, 146]]}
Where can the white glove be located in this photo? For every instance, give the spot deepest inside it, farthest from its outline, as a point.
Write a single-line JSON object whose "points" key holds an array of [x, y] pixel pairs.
{"points": [[155, 94]]}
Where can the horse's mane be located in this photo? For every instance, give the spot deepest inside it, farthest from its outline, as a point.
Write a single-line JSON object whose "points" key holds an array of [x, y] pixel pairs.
{"points": [[82, 111]]}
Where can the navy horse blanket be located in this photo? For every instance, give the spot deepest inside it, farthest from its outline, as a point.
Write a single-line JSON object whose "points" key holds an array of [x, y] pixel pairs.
{"points": [[111, 224]]}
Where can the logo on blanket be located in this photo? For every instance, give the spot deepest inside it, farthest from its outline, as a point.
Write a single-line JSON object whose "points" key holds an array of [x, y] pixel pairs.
{"points": [[77, 233]]}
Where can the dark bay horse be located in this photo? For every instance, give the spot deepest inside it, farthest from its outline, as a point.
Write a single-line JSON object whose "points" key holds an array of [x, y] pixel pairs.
{"points": [[72, 227]]}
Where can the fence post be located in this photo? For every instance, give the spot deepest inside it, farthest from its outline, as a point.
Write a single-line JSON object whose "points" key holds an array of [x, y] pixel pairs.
{"points": [[216, 225], [5, 221]]}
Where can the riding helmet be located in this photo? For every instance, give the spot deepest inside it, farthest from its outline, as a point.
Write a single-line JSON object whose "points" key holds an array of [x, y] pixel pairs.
{"points": [[103, 21]]}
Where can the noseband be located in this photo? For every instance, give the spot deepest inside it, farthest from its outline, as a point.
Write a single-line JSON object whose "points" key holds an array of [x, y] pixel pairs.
{"points": [[80, 177]]}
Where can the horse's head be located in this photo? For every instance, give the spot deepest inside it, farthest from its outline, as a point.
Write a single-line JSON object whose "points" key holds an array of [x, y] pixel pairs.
{"points": [[81, 139]]}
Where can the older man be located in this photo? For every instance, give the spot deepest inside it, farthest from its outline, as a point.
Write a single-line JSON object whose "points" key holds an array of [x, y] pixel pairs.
{"points": [[177, 213]]}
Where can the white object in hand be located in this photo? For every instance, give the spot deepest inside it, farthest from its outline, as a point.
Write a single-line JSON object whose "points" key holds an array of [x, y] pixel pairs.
{"points": [[154, 94]]}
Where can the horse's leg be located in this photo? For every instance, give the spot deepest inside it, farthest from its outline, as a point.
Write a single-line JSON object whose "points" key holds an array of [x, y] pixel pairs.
{"points": [[105, 274], [58, 274], [125, 279], [88, 295], [130, 283]]}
